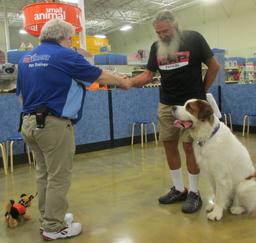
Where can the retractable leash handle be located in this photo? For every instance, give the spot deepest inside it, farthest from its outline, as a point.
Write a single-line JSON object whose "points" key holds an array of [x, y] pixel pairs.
{"points": [[210, 99]]}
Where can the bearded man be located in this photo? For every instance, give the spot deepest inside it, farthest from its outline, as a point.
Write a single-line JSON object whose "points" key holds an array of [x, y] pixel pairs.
{"points": [[178, 56]]}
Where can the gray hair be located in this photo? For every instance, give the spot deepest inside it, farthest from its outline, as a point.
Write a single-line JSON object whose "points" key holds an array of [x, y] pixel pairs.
{"points": [[56, 30], [165, 15]]}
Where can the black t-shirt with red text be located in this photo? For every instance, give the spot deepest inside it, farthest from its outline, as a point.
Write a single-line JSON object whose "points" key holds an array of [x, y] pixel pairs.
{"points": [[181, 79]]}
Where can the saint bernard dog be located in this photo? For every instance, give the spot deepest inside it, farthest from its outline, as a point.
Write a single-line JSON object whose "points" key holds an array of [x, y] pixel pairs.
{"points": [[220, 155]]}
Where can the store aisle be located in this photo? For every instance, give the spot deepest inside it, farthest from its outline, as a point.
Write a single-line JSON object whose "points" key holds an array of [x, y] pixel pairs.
{"points": [[114, 195]]}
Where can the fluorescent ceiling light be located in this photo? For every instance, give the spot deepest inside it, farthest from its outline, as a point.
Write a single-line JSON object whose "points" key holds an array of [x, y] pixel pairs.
{"points": [[100, 36], [126, 27], [23, 32], [92, 22]]}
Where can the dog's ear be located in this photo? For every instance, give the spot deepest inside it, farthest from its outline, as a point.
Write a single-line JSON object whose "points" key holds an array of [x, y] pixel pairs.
{"points": [[205, 110]]}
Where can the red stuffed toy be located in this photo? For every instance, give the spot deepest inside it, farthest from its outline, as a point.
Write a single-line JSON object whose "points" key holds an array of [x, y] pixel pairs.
{"points": [[17, 211]]}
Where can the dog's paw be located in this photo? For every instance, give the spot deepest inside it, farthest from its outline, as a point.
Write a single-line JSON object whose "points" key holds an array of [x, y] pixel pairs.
{"points": [[237, 210], [209, 207], [216, 214]]}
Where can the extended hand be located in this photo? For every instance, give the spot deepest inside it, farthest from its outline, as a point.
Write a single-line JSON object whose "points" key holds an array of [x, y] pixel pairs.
{"points": [[125, 84]]}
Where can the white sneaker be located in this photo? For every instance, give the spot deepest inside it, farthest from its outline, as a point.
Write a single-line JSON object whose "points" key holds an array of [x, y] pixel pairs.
{"points": [[71, 230], [68, 219]]}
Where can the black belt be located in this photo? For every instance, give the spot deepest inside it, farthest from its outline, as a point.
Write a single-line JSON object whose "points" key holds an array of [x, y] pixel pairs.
{"points": [[29, 114], [40, 122], [34, 113], [49, 114]]}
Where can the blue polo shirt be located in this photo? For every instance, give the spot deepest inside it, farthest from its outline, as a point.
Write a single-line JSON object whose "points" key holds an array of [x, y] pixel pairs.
{"points": [[54, 76]]}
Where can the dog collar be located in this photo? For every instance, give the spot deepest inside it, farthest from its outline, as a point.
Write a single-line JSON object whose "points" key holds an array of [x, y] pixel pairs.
{"points": [[201, 143]]}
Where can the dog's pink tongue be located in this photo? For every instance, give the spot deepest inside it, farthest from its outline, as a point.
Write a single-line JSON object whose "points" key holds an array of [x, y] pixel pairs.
{"points": [[182, 124]]}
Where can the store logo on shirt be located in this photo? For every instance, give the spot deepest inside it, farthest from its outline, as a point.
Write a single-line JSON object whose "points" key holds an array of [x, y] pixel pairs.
{"points": [[35, 57], [182, 59], [27, 59]]}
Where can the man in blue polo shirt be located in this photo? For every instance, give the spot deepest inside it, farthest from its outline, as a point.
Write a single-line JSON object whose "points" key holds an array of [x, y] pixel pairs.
{"points": [[50, 87]]}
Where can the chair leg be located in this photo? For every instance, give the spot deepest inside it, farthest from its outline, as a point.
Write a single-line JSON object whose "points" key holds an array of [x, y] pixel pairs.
{"points": [[225, 119], [7, 154], [4, 158], [141, 133], [154, 127], [244, 123], [145, 129], [230, 120], [248, 125], [11, 155], [133, 125]]}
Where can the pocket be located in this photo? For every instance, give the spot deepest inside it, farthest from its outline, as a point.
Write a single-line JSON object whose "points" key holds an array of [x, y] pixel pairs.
{"points": [[27, 127], [49, 137]]}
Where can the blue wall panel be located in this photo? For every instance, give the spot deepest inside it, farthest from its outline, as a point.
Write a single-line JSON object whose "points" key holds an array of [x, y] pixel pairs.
{"points": [[128, 106], [9, 121], [94, 125], [134, 105], [239, 99]]}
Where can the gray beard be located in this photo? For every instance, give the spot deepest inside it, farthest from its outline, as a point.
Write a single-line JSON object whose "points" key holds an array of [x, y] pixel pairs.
{"points": [[168, 50]]}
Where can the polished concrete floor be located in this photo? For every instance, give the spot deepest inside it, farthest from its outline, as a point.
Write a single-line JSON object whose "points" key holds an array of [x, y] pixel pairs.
{"points": [[114, 195]]}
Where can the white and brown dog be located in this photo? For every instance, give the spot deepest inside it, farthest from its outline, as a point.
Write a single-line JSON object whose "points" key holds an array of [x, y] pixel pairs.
{"points": [[221, 156]]}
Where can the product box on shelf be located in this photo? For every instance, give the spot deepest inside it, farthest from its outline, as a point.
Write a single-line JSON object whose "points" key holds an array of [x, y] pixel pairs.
{"points": [[110, 59]]}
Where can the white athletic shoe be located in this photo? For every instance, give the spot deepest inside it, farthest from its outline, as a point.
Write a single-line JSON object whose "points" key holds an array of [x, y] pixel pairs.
{"points": [[71, 230], [68, 219]]}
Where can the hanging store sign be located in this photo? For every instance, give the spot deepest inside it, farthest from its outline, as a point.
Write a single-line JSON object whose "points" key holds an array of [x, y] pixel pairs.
{"points": [[37, 14]]}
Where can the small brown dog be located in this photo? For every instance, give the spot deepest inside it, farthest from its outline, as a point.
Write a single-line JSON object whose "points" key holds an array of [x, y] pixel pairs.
{"points": [[17, 211]]}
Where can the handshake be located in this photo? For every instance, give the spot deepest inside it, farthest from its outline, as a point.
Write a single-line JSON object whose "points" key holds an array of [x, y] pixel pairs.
{"points": [[119, 80], [122, 81], [125, 82]]}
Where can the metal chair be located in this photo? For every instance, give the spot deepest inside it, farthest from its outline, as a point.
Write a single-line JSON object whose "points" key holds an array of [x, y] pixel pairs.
{"points": [[143, 129], [228, 120], [9, 148], [4, 156], [247, 122]]}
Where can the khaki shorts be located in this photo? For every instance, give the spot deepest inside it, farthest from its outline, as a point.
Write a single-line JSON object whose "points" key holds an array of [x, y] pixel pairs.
{"points": [[167, 130]]}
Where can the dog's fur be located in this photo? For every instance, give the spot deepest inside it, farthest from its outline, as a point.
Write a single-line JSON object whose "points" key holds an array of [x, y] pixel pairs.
{"points": [[222, 157]]}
